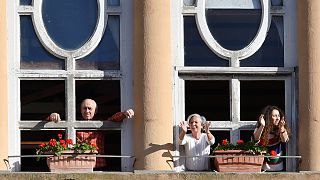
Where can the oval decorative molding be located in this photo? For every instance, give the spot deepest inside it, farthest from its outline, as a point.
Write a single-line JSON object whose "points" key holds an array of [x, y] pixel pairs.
{"points": [[53, 48], [227, 54]]}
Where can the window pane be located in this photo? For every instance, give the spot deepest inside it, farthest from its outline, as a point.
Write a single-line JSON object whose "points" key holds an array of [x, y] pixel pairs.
{"points": [[219, 136], [39, 98], [25, 2], [208, 98], [107, 55], [197, 53], [106, 93], [113, 2], [30, 140], [108, 143], [66, 23], [33, 54], [255, 95], [233, 29], [246, 135], [189, 2], [271, 54]]}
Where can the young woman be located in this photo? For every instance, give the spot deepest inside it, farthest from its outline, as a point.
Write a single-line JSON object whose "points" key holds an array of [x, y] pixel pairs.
{"points": [[273, 132], [196, 143]]}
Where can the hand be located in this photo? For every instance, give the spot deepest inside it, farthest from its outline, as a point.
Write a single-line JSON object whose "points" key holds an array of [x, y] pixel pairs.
{"points": [[184, 126], [129, 113], [262, 121], [207, 126], [281, 124], [55, 117]]}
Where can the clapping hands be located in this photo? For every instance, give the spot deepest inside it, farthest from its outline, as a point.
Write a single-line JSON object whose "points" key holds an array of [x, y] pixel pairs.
{"points": [[184, 126]]}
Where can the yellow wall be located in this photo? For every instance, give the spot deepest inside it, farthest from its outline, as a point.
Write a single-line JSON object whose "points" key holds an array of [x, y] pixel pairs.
{"points": [[3, 86], [153, 125]]}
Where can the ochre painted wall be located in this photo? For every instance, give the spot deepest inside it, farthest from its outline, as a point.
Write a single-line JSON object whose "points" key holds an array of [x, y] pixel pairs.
{"points": [[3, 86], [309, 83], [153, 124]]}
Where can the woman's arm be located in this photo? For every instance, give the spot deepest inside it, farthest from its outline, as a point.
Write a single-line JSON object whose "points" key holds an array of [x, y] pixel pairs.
{"points": [[183, 126], [258, 131], [282, 131]]}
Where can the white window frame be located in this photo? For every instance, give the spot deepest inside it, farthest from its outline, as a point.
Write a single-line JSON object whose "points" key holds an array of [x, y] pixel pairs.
{"points": [[234, 75], [70, 75]]}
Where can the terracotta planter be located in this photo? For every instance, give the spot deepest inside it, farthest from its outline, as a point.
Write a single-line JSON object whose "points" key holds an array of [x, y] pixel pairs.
{"points": [[243, 162], [70, 161]]}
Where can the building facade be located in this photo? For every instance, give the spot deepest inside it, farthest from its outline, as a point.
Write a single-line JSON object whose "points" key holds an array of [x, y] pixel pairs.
{"points": [[225, 60]]}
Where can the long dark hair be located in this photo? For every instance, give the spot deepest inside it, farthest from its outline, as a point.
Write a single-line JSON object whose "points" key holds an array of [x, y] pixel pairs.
{"points": [[269, 126]]}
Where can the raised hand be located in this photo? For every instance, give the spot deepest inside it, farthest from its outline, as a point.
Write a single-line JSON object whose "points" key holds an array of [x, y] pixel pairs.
{"points": [[207, 126], [129, 113], [184, 126], [262, 121], [55, 117]]}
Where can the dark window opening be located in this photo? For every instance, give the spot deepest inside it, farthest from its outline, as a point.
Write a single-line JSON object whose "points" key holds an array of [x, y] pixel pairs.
{"points": [[106, 93], [208, 98], [40, 98], [255, 95]]}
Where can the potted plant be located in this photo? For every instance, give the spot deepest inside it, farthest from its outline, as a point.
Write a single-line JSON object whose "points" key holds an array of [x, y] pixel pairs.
{"points": [[68, 157], [240, 157]]}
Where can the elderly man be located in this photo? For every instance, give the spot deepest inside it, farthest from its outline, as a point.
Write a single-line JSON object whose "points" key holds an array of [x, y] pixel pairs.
{"points": [[88, 110]]}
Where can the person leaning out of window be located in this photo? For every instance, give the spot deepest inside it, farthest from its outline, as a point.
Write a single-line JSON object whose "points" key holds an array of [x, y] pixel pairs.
{"points": [[272, 131], [196, 143]]}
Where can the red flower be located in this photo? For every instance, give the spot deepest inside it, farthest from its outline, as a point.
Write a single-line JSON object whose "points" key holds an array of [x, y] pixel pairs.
{"points": [[53, 142], [42, 145], [224, 142], [240, 142], [60, 136], [273, 153], [62, 141], [69, 141]]}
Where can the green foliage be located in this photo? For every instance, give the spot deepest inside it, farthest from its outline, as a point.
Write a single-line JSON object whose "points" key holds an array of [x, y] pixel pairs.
{"points": [[251, 147]]}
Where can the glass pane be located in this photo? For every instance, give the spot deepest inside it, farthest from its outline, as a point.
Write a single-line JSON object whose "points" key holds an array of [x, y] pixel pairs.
{"points": [[106, 93], [233, 29], [197, 53], [246, 135], [25, 2], [39, 98], [255, 95], [30, 140], [208, 98], [271, 54], [277, 2], [33, 54], [66, 23], [113, 2], [108, 143], [107, 55], [189, 2], [219, 136]]}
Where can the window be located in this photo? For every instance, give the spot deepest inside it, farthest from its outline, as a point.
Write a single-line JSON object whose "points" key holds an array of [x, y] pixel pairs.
{"points": [[63, 56], [231, 63]]}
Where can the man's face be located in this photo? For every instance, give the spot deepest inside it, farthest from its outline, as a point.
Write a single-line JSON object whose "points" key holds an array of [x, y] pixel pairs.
{"points": [[88, 108]]}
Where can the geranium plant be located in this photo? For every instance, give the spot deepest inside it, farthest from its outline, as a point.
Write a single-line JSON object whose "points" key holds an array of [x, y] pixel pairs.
{"points": [[56, 147], [251, 147]]}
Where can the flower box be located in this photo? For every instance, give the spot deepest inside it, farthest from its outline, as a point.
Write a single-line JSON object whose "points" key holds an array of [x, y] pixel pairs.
{"points": [[244, 161], [72, 161]]}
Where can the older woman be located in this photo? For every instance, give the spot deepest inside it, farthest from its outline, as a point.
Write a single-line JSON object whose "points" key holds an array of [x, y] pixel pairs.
{"points": [[196, 143]]}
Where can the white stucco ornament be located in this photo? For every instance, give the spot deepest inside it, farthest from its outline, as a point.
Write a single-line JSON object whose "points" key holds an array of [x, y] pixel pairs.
{"points": [[53, 48], [233, 55]]}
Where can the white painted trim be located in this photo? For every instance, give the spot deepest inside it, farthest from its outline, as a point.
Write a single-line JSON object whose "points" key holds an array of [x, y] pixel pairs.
{"points": [[124, 75], [227, 54], [53, 48]]}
